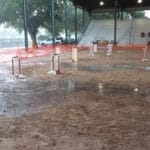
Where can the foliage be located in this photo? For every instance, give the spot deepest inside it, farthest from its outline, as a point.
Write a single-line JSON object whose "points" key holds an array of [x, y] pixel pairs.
{"points": [[137, 14], [39, 15], [11, 12], [125, 15]]}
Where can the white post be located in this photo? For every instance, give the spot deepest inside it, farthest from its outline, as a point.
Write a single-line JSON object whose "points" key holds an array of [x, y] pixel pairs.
{"points": [[56, 63], [16, 68], [109, 51], [74, 55], [52, 71], [91, 50], [95, 47], [57, 50], [145, 53]]}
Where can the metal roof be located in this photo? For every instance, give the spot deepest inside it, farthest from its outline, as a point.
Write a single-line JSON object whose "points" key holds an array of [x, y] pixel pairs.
{"points": [[110, 4]]}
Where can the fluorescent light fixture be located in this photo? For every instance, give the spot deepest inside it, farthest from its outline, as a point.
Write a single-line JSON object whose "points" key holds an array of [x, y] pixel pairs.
{"points": [[139, 1], [101, 3]]}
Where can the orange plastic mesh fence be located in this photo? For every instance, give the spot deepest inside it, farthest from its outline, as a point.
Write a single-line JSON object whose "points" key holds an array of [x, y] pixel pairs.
{"points": [[7, 54]]}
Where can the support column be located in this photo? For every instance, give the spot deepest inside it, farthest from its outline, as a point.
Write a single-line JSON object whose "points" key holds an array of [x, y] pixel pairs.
{"points": [[83, 23], [90, 15], [121, 14], [115, 23], [25, 25], [53, 20], [66, 33], [76, 32]]}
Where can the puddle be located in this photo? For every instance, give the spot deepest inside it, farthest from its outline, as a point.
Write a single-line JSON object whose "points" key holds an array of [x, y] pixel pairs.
{"points": [[147, 68], [25, 97], [102, 68], [28, 97], [118, 90]]}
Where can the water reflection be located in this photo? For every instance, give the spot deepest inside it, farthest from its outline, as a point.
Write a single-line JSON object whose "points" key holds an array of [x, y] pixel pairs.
{"points": [[147, 68], [27, 97], [30, 96], [100, 85], [102, 68]]}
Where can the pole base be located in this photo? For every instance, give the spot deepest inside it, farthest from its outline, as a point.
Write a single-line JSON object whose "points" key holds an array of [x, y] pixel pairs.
{"points": [[91, 54], [144, 59], [108, 54], [53, 72], [58, 72]]}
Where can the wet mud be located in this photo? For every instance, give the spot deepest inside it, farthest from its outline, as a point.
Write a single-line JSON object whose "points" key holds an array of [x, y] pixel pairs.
{"points": [[99, 103], [25, 96], [105, 68]]}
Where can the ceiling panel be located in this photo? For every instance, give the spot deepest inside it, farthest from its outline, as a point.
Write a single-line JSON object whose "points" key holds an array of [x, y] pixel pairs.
{"points": [[109, 4]]}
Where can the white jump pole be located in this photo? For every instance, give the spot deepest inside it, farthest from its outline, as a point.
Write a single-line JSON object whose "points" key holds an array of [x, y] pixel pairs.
{"points": [[16, 67], [91, 50], [145, 54], [74, 54], [52, 71]]}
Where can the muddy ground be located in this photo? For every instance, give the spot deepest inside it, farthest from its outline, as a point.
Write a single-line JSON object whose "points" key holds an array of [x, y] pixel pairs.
{"points": [[100, 103]]}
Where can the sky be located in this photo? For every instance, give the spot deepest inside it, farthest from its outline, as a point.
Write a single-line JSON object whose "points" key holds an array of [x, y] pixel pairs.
{"points": [[9, 32]]}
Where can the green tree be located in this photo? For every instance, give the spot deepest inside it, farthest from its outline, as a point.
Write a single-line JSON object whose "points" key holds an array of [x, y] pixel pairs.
{"points": [[38, 15], [38, 11], [125, 14], [70, 18]]}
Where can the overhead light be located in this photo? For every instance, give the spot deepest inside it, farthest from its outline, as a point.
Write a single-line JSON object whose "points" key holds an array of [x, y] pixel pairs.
{"points": [[139, 1], [101, 3]]}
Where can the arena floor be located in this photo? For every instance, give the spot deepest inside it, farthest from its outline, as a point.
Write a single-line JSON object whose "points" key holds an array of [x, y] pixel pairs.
{"points": [[98, 103]]}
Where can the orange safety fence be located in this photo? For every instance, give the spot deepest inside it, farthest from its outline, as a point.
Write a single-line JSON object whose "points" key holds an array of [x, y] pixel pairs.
{"points": [[129, 47], [7, 54]]}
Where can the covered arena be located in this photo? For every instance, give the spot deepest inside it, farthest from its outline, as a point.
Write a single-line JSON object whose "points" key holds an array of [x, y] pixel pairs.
{"points": [[81, 96]]}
